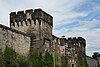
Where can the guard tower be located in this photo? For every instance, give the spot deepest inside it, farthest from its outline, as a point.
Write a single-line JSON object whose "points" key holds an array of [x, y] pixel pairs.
{"points": [[38, 24], [77, 45]]}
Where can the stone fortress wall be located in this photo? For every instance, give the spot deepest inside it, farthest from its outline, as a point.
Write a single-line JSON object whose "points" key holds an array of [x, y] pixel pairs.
{"points": [[72, 47], [19, 41], [37, 24], [91, 62], [33, 29]]}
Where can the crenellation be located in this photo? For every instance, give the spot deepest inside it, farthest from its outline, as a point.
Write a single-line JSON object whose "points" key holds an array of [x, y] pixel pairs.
{"points": [[17, 19], [33, 16], [81, 39], [77, 44], [20, 13], [69, 39], [29, 11], [76, 39], [36, 34], [44, 16], [12, 18], [12, 15]]}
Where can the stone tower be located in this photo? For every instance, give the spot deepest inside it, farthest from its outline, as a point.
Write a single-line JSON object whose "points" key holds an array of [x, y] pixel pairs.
{"points": [[77, 45], [75, 49], [37, 24]]}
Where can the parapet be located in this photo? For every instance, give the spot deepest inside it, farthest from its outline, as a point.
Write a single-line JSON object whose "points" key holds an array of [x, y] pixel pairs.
{"points": [[40, 14], [63, 41], [29, 15], [76, 39], [96, 55], [13, 30], [29, 11]]}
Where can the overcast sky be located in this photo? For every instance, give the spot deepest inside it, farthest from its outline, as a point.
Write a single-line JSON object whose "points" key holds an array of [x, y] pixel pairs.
{"points": [[72, 18]]}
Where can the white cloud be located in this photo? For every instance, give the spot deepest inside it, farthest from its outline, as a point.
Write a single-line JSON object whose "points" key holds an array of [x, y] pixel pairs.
{"points": [[85, 30], [62, 11], [87, 25], [91, 35], [51, 6]]}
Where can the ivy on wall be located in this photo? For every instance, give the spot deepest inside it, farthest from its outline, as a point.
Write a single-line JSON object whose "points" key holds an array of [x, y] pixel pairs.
{"points": [[57, 59], [81, 62], [9, 58]]}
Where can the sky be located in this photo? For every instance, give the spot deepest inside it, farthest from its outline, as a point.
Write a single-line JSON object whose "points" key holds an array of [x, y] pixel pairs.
{"points": [[72, 18]]}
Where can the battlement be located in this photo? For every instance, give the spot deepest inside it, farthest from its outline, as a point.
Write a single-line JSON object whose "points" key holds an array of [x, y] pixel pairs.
{"points": [[13, 30], [29, 15], [76, 39], [40, 14], [63, 41]]}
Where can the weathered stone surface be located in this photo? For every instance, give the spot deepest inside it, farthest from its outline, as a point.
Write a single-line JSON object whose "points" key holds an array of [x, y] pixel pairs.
{"points": [[33, 29], [20, 42], [35, 23], [92, 62]]}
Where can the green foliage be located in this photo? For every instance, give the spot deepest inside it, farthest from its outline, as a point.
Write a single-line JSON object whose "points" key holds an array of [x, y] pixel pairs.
{"points": [[57, 59], [36, 59], [9, 53], [2, 63], [66, 62], [81, 62], [10, 58], [48, 59], [22, 61]]}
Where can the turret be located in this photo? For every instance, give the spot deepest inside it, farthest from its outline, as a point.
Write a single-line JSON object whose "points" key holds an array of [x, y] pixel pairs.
{"points": [[76, 40], [77, 44], [40, 14], [28, 17], [35, 23]]}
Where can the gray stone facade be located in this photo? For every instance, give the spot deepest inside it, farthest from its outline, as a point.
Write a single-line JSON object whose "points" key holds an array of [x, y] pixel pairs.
{"points": [[38, 24], [91, 62], [19, 41], [96, 56]]}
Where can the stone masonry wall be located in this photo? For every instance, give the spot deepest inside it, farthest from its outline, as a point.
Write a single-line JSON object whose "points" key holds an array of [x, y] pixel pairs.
{"points": [[19, 41], [91, 62], [35, 23]]}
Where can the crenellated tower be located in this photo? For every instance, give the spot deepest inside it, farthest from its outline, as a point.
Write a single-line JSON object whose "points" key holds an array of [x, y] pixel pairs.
{"points": [[77, 45], [38, 24]]}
